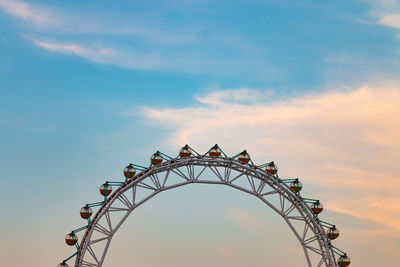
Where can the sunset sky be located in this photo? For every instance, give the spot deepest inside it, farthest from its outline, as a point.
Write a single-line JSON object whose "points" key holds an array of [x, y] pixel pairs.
{"points": [[89, 86]]}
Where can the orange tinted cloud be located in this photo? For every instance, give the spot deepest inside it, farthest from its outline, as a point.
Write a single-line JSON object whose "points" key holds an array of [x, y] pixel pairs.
{"points": [[345, 145]]}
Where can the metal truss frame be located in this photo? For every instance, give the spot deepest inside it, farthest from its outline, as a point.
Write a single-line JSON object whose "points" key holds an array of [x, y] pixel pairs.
{"points": [[225, 171]]}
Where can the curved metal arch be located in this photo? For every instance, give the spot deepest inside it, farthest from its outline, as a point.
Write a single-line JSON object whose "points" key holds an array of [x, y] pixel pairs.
{"points": [[259, 183]]}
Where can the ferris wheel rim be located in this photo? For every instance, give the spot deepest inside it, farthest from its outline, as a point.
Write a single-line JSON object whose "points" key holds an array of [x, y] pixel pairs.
{"points": [[329, 259]]}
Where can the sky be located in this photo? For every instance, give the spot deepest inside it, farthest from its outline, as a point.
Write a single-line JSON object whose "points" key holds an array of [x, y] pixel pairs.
{"points": [[89, 86]]}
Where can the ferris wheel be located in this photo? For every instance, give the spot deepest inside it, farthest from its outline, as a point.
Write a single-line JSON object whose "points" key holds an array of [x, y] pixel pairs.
{"points": [[214, 167]]}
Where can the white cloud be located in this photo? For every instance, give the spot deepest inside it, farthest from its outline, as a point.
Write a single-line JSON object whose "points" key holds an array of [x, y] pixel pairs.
{"points": [[345, 145], [53, 19], [106, 55], [37, 15], [147, 44], [386, 12], [97, 54], [392, 20], [136, 58], [235, 96], [64, 48]]}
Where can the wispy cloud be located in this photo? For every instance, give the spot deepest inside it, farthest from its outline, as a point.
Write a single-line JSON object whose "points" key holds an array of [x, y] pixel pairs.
{"points": [[235, 96], [138, 41], [106, 55], [345, 144], [243, 219], [141, 58], [385, 12], [56, 20], [94, 53], [122, 57], [39, 16], [69, 48]]}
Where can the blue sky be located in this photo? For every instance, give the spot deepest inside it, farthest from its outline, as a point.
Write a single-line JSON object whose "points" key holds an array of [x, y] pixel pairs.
{"points": [[87, 87]]}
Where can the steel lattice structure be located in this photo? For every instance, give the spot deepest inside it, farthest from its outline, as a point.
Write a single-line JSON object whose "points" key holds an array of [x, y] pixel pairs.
{"points": [[214, 167]]}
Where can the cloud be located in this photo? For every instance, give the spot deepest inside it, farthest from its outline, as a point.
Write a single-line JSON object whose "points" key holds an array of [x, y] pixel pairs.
{"points": [[392, 20], [39, 16], [65, 48], [106, 55], [234, 96], [56, 20], [133, 57], [138, 40], [385, 12], [243, 219], [343, 144]]}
